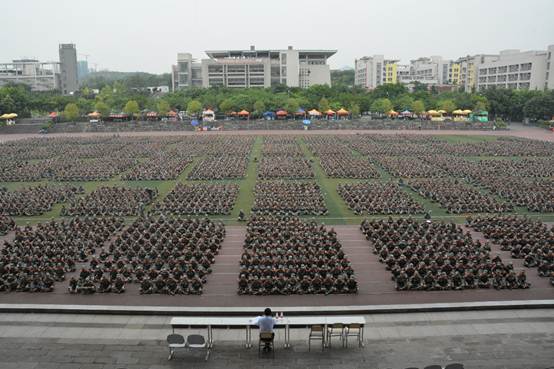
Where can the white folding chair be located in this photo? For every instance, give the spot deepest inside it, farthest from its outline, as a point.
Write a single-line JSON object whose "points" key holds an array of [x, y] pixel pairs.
{"points": [[174, 342], [198, 342]]}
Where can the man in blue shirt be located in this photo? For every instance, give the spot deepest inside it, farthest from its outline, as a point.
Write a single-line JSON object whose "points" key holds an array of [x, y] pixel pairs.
{"points": [[266, 323]]}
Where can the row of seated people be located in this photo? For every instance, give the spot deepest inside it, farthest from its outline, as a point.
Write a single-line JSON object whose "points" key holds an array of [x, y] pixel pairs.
{"points": [[300, 198], [438, 254], [199, 199], [106, 201], [51, 249], [88, 286], [164, 249], [293, 252], [378, 198], [282, 285], [24, 282], [527, 239], [36, 200], [7, 224]]}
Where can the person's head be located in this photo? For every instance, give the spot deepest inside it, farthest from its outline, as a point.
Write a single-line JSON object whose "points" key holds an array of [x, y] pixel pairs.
{"points": [[267, 312]]}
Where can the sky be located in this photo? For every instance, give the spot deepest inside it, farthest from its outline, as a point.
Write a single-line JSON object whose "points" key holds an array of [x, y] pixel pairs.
{"points": [[138, 35]]}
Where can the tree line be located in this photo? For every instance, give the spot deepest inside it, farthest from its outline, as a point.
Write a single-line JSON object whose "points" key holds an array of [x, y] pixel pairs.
{"points": [[511, 105]]}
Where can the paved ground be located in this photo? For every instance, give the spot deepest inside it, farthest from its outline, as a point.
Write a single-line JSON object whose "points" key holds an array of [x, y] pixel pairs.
{"points": [[516, 130], [375, 284], [518, 339]]}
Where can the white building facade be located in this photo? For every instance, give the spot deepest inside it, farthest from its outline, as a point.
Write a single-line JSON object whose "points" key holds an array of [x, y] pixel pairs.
{"points": [[254, 68], [373, 71], [514, 69], [39, 76]]}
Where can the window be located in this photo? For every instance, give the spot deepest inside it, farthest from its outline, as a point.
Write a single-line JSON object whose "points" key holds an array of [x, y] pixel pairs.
{"points": [[284, 59], [503, 69], [492, 70]]}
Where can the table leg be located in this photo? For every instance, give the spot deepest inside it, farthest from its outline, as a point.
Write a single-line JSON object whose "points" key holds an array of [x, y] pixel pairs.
{"points": [[325, 343], [287, 336], [210, 337], [361, 343]]}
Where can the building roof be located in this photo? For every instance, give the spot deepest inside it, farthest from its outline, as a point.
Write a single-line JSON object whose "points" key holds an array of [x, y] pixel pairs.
{"points": [[255, 53]]}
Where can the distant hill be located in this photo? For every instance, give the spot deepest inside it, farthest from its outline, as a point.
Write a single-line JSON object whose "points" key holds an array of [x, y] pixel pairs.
{"points": [[130, 79]]}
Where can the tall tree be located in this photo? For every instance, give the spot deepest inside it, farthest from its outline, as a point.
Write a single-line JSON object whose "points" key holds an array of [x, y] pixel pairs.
{"points": [[194, 107], [447, 105], [418, 106], [323, 104], [163, 107], [102, 108], [131, 108], [71, 112], [382, 105], [259, 107]]}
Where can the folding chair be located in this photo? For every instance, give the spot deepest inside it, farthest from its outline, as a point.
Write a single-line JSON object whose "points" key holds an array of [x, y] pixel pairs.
{"points": [[353, 330], [266, 340], [335, 330], [197, 342], [174, 342], [454, 366], [316, 333]]}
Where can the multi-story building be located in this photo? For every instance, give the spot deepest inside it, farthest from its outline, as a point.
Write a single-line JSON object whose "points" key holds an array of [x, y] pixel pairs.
{"points": [[469, 65], [39, 76], [373, 71], [254, 68], [514, 69], [68, 68]]}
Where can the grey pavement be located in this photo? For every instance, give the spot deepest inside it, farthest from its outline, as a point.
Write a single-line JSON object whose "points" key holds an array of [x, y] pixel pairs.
{"points": [[518, 339]]}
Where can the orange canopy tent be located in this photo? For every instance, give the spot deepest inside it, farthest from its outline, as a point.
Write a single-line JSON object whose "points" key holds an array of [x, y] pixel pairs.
{"points": [[392, 113], [172, 114], [343, 111], [243, 113], [94, 114], [53, 114], [314, 112], [282, 113], [330, 112]]}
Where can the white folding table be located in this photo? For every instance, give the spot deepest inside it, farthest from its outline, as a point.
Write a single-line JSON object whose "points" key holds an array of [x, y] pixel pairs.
{"points": [[247, 324]]}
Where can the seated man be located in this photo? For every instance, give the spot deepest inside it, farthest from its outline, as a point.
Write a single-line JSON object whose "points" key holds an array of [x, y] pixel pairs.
{"points": [[266, 323]]}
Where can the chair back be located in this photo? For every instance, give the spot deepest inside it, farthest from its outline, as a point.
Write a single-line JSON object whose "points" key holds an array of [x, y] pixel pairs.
{"points": [[316, 328], [454, 366], [196, 340], [175, 339], [266, 336]]}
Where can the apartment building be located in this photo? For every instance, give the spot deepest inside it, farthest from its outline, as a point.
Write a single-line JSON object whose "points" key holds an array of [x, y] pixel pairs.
{"points": [[515, 69], [39, 76], [373, 71]]}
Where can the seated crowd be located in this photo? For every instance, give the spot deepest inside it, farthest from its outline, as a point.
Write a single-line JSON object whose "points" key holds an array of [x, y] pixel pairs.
{"points": [[7, 224], [165, 255], [199, 199], [524, 238], [39, 257], [104, 201], [408, 167], [158, 168], [99, 169], [285, 255], [456, 196], [286, 167], [220, 167], [37, 200], [292, 198], [378, 198], [425, 255]]}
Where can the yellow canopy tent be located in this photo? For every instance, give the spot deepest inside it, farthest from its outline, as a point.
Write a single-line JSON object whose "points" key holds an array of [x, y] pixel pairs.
{"points": [[442, 111], [343, 111], [392, 113], [94, 114], [467, 111], [458, 112], [4, 116], [433, 112]]}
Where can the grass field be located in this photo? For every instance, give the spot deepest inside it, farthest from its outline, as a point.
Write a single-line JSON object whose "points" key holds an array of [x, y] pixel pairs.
{"points": [[339, 213]]}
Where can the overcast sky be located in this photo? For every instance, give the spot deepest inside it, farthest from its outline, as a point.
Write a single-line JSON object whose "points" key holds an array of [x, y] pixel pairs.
{"points": [[138, 35]]}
